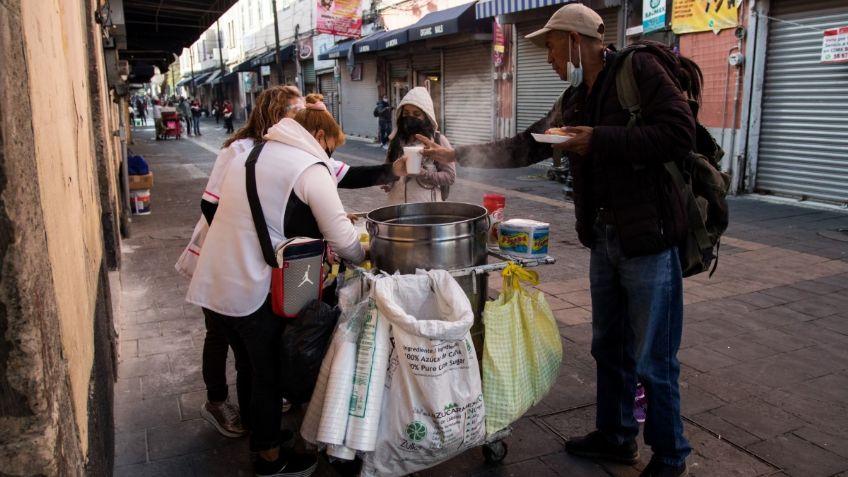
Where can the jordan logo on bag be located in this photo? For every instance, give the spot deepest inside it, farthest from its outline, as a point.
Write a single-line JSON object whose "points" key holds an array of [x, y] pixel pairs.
{"points": [[306, 277]]}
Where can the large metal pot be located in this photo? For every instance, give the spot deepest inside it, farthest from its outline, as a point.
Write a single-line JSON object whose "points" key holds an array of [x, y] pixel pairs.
{"points": [[430, 235], [434, 235]]}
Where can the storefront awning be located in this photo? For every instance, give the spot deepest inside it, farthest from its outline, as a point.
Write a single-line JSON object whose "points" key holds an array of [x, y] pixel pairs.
{"points": [[337, 51], [184, 82], [459, 19], [493, 8], [266, 58], [393, 38], [370, 43], [229, 77], [210, 79], [199, 78]]}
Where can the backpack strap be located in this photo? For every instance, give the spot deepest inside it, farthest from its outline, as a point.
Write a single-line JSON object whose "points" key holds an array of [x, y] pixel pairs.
{"points": [[256, 207], [627, 89]]}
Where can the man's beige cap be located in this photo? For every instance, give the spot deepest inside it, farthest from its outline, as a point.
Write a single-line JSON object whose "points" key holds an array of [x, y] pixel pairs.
{"points": [[574, 17]]}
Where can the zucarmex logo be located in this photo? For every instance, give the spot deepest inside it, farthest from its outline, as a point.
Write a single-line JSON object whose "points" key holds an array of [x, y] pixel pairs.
{"points": [[416, 431]]}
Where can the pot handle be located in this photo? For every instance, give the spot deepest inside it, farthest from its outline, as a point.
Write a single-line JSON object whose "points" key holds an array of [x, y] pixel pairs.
{"points": [[372, 228]]}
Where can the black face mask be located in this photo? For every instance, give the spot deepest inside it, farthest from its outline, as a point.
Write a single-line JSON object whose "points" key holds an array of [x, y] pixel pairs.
{"points": [[329, 151], [412, 125]]}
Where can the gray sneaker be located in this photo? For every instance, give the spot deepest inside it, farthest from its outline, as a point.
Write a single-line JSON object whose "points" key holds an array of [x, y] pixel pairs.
{"points": [[224, 416]]}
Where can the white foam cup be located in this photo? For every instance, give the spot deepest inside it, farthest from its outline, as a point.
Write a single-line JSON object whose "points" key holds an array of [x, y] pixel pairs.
{"points": [[413, 159]]}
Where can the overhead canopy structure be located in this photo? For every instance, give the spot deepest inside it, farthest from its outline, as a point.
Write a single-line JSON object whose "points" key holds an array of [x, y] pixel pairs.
{"points": [[157, 30]]}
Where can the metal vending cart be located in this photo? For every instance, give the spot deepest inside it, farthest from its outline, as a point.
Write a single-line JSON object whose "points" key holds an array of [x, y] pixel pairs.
{"points": [[452, 237]]}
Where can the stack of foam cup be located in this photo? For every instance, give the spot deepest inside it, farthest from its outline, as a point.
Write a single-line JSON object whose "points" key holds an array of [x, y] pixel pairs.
{"points": [[370, 377], [333, 424]]}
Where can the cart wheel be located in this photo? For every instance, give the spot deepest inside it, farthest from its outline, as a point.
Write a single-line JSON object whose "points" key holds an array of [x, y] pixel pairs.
{"points": [[495, 452]]}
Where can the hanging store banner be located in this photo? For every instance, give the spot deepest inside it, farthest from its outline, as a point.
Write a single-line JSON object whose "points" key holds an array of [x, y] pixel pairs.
{"points": [[339, 17], [653, 15], [499, 43], [690, 16], [835, 45]]}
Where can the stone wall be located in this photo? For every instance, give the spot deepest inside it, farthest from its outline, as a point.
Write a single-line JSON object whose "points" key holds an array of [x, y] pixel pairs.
{"points": [[58, 189]]}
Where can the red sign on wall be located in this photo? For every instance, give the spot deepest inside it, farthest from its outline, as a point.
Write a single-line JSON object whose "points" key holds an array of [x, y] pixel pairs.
{"points": [[339, 17], [835, 45]]}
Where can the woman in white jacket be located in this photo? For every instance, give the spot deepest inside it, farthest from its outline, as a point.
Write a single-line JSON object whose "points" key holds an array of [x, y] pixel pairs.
{"points": [[298, 195], [416, 115], [272, 105]]}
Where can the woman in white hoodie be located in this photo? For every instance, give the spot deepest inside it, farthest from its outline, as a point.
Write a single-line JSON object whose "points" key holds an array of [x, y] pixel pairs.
{"points": [[298, 195], [415, 115], [274, 104]]}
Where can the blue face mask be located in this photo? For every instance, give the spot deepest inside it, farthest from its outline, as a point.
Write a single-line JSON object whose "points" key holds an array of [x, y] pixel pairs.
{"points": [[574, 74]]}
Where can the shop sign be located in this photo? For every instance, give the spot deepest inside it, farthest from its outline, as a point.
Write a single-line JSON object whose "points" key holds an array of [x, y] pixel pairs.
{"points": [[690, 16], [304, 48], [653, 15], [339, 17], [499, 43], [835, 45]]}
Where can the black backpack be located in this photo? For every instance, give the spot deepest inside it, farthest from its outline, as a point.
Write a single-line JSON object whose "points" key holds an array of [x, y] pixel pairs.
{"points": [[698, 177]]}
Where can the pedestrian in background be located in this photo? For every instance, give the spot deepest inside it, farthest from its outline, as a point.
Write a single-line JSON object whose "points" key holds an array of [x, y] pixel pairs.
{"points": [[228, 116], [621, 198], [157, 120], [141, 109], [195, 116], [185, 113], [383, 111], [216, 111]]}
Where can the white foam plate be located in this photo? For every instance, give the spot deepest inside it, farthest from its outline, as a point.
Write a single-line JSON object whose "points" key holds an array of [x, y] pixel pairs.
{"points": [[550, 138]]}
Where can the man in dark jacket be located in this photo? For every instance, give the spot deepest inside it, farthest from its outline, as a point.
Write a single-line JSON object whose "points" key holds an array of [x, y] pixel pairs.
{"points": [[383, 111], [625, 210]]}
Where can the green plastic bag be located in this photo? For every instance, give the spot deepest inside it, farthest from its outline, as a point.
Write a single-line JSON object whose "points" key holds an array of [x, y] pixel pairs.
{"points": [[522, 350]]}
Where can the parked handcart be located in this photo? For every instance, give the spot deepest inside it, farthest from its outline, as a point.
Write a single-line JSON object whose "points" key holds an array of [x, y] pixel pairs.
{"points": [[171, 124]]}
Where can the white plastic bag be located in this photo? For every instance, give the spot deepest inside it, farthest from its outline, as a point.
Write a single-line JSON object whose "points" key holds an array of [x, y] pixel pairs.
{"points": [[433, 404]]}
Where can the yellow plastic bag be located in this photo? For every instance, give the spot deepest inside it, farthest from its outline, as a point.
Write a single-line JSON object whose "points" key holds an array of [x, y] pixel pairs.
{"points": [[522, 350]]}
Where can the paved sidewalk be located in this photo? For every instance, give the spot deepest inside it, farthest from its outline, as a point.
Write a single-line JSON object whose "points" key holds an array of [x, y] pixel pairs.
{"points": [[764, 356]]}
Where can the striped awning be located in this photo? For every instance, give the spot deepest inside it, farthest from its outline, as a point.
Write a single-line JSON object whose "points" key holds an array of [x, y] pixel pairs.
{"points": [[493, 8]]}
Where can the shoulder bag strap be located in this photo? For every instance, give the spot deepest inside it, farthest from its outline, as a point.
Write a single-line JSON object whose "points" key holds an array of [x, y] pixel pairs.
{"points": [[256, 207]]}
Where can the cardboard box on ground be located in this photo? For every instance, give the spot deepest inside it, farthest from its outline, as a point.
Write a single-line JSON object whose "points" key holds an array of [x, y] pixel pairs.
{"points": [[138, 182]]}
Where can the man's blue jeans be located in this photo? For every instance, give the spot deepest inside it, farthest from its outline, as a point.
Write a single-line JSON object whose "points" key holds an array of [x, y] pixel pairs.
{"points": [[637, 322]]}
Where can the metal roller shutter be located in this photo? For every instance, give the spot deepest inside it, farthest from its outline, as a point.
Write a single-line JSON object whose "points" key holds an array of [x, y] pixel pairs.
{"points": [[308, 72], [537, 86], [610, 17], [427, 61], [469, 95], [328, 87], [802, 148], [358, 99], [399, 69]]}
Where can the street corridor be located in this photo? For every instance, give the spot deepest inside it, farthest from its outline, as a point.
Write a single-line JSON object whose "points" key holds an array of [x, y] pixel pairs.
{"points": [[764, 356]]}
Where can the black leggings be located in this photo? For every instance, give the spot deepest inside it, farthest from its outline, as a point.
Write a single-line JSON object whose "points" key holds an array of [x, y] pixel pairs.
{"points": [[255, 340]]}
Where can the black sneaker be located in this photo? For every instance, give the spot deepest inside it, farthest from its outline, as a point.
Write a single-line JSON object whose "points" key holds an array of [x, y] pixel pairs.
{"points": [[595, 446], [655, 468], [288, 465]]}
